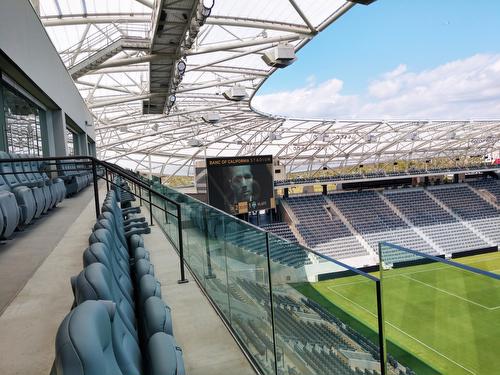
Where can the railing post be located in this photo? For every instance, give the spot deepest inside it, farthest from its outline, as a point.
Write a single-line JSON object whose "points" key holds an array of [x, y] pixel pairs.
{"points": [[268, 252], [380, 314], [96, 189], [183, 279], [150, 208], [140, 195], [107, 178], [209, 274]]}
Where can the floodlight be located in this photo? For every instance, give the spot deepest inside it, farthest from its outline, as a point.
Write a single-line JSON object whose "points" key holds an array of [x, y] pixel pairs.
{"points": [[323, 138], [206, 8], [209, 4], [171, 100], [194, 142], [211, 117], [280, 56], [235, 93], [363, 2], [181, 67], [274, 136]]}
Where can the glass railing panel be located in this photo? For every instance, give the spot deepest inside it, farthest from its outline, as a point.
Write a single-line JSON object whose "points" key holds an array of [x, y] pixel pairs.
{"points": [[246, 266], [322, 327], [441, 316]]}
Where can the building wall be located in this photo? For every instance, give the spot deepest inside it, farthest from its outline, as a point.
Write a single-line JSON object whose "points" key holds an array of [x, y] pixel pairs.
{"points": [[25, 42]]}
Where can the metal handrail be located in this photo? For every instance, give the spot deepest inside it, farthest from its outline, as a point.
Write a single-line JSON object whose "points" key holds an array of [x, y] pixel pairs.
{"points": [[108, 167], [96, 39]]}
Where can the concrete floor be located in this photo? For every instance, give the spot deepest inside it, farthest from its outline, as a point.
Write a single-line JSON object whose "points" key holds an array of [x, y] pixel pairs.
{"points": [[21, 256], [29, 324], [208, 347]]}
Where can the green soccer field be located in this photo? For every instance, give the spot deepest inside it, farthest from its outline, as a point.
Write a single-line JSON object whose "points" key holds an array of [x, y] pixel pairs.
{"points": [[439, 319]]}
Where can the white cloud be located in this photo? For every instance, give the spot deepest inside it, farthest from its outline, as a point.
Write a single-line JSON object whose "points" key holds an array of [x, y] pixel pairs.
{"points": [[467, 88]]}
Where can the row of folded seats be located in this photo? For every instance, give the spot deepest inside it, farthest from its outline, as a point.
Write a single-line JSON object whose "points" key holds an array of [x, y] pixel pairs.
{"points": [[76, 175], [123, 193], [26, 192], [119, 323]]}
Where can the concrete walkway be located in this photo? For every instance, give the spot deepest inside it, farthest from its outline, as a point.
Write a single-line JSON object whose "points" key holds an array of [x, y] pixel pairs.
{"points": [[29, 324], [21, 256], [208, 347]]}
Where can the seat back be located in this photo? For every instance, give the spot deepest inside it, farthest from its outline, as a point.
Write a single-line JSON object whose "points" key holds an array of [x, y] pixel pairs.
{"points": [[28, 170], [17, 165], [94, 283], [84, 342], [8, 168]]}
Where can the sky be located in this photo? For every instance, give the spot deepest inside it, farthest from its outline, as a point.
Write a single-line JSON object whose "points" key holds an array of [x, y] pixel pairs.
{"points": [[435, 59]]}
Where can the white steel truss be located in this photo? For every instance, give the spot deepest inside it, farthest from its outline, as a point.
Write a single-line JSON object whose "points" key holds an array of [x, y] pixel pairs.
{"points": [[227, 49]]}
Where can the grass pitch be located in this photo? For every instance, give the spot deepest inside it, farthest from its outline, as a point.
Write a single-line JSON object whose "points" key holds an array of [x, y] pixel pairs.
{"points": [[439, 319]]}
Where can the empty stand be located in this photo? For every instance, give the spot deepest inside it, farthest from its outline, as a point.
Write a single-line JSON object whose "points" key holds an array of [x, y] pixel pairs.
{"points": [[491, 185], [441, 227], [323, 231], [375, 221], [470, 207]]}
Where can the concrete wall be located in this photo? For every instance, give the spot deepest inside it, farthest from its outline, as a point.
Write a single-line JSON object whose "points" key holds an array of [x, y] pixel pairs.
{"points": [[24, 40]]}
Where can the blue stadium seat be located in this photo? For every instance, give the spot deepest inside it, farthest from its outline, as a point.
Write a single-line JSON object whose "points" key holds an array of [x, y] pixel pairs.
{"points": [[24, 195], [10, 212]]}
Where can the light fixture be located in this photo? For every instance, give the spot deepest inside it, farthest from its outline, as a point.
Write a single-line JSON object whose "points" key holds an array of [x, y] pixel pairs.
{"points": [[194, 142], [181, 67], [236, 93], [202, 13], [171, 100], [211, 117], [280, 56]]}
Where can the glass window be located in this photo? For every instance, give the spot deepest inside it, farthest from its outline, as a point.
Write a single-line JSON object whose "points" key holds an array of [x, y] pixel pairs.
{"points": [[70, 141], [22, 125]]}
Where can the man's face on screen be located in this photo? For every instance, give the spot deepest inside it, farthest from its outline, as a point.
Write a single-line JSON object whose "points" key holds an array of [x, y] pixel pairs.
{"points": [[241, 181]]}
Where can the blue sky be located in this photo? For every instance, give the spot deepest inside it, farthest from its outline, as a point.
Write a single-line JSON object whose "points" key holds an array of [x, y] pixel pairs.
{"points": [[370, 41]]}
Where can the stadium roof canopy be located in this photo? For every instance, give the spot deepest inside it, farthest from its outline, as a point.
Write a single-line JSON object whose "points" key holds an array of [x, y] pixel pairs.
{"points": [[124, 57]]}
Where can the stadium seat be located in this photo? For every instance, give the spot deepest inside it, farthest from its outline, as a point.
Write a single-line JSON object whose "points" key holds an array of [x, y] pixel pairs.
{"points": [[24, 195], [140, 333], [10, 212], [35, 182], [84, 342], [38, 195]]}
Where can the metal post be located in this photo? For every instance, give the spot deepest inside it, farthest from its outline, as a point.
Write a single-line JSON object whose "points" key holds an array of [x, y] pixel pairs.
{"points": [[271, 303], [381, 336], [183, 279], [96, 189], [380, 314], [107, 178], [140, 196], [209, 274], [150, 208]]}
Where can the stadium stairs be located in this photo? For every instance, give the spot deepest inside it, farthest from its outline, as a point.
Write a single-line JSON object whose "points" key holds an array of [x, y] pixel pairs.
{"points": [[458, 218], [417, 230], [354, 232]]}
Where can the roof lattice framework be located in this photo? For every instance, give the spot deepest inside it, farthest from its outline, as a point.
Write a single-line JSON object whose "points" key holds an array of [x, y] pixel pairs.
{"points": [[112, 49]]}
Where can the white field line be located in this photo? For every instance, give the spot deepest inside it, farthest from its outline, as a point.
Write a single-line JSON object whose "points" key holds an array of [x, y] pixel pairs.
{"points": [[403, 332], [421, 271], [406, 275], [450, 294]]}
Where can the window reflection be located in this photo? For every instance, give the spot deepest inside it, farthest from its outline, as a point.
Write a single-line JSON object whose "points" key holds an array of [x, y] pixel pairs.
{"points": [[22, 125], [70, 142]]}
